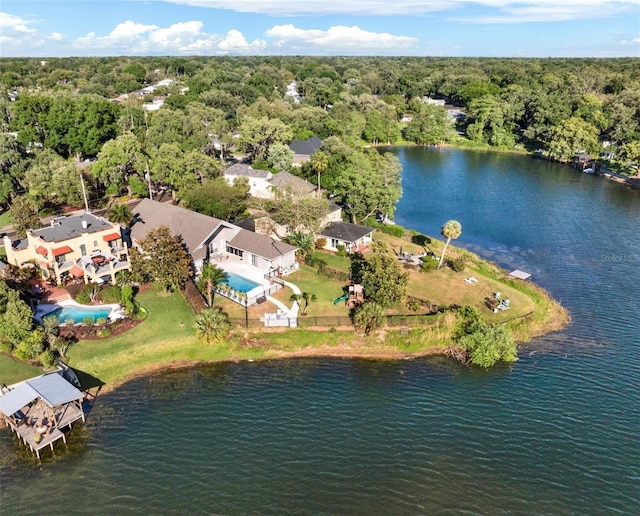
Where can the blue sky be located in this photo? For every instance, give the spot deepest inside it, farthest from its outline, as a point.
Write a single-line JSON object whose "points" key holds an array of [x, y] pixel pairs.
{"points": [[501, 28]]}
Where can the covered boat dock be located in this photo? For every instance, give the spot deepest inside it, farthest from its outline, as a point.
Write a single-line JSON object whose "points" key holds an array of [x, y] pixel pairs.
{"points": [[38, 409]]}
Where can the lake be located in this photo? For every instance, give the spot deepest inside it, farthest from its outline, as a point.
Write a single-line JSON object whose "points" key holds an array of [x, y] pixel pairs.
{"points": [[554, 433]]}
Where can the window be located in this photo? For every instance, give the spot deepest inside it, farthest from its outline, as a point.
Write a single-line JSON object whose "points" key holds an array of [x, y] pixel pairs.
{"points": [[335, 243], [83, 250], [254, 260], [95, 243]]}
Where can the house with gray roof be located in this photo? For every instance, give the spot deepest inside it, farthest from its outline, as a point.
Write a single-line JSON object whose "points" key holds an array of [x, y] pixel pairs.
{"points": [[303, 149], [76, 246], [209, 239], [263, 182], [353, 237]]}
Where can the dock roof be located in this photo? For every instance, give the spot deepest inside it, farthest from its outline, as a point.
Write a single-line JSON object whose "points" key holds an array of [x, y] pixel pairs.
{"points": [[51, 388]]}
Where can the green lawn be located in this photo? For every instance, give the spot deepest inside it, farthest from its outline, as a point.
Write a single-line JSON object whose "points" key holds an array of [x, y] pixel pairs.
{"points": [[342, 263], [5, 220], [12, 371]]}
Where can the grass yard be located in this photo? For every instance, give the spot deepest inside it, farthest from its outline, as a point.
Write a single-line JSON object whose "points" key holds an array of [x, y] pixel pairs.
{"points": [[12, 371], [325, 289], [5, 219], [342, 263]]}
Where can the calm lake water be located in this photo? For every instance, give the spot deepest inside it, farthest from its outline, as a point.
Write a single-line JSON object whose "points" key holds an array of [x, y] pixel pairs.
{"points": [[554, 433]]}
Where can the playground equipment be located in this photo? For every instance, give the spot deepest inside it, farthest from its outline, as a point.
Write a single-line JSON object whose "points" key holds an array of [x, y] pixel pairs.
{"points": [[340, 299]]}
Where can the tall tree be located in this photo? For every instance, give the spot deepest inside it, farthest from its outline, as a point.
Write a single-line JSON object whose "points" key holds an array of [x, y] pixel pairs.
{"points": [[24, 215], [382, 278], [120, 214], [168, 261], [319, 164], [451, 229], [369, 316], [259, 134], [210, 277]]}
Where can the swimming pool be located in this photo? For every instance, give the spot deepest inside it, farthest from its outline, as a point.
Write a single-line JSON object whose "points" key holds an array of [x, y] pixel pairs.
{"points": [[240, 283], [78, 314]]}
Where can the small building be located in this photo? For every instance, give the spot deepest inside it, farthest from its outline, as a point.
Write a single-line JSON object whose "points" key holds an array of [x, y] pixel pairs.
{"points": [[78, 246], [259, 185], [39, 409], [353, 237], [304, 149], [263, 182]]}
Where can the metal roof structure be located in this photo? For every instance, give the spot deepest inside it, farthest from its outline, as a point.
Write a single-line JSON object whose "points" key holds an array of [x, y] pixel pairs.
{"points": [[519, 274], [51, 388]]}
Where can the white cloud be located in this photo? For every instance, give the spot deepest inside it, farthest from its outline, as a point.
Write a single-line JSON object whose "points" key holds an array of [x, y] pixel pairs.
{"points": [[634, 41], [336, 39], [183, 38], [500, 11], [10, 23]]}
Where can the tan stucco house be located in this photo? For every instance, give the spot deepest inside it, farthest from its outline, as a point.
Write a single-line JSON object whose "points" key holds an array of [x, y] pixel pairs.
{"points": [[77, 246]]}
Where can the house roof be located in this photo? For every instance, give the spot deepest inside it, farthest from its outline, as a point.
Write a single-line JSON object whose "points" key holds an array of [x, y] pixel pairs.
{"points": [[346, 231], [193, 227], [51, 388], [297, 184], [240, 169], [66, 228], [306, 147], [262, 245]]}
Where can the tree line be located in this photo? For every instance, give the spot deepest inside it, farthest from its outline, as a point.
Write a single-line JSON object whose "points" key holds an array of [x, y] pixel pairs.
{"points": [[60, 111]]}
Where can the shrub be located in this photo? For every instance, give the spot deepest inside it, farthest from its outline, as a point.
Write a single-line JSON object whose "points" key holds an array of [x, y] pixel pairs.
{"points": [[88, 321], [83, 297], [341, 250], [421, 240], [5, 346], [47, 358], [102, 320], [111, 294], [458, 264], [321, 243], [69, 322], [428, 264], [103, 332], [413, 305]]}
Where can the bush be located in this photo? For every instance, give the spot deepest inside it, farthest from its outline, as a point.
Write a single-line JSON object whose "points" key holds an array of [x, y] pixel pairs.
{"points": [[341, 250], [428, 264], [83, 297], [47, 358], [421, 240], [413, 305], [111, 294], [5, 346], [103, 332], [458, 264], [102, 320], [321, 243], [88, 321]]}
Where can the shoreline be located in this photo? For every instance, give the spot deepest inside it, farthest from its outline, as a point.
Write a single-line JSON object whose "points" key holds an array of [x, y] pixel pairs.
{"points": [[631, 182]]}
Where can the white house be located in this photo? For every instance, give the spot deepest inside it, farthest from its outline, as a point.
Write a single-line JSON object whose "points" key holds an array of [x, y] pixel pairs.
{"points": [[262, 182], [353, 237]]}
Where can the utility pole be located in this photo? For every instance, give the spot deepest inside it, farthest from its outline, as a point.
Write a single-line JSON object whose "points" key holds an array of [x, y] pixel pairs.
{"points": [[84, 194], [148, 174]]}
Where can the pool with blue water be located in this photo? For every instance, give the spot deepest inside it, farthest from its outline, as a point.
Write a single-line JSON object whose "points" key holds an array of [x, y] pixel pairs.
{"points": [[79, 314], [240, 283]]}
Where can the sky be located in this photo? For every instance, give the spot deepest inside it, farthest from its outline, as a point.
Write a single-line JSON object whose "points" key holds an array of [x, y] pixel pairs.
{"points": [[469, 28]]}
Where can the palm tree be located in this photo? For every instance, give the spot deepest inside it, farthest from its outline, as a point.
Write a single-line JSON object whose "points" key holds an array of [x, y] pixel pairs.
{"points": [[370, 316], [210, 277], [120, 214], [306, 297], [212, 325], [452, 229], [319, 164]]}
